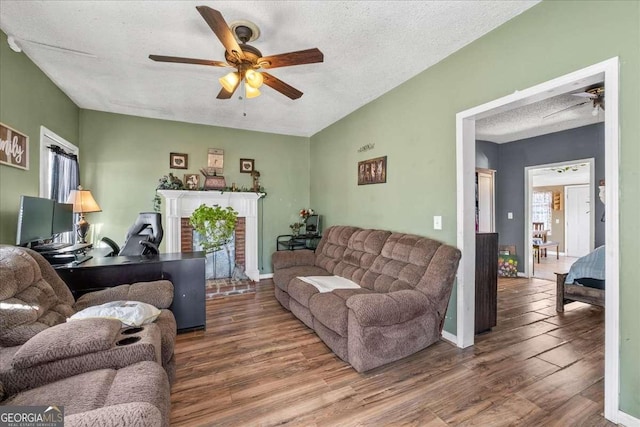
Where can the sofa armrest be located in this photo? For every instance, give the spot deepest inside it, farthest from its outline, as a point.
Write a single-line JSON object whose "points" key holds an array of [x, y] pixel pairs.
{"points": [[285, 259], [158, 293], [389, 309], [141, 414], [66, 340]]}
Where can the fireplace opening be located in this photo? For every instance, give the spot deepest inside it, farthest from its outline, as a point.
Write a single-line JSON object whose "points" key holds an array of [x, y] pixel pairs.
{"points": [[219, 264]]}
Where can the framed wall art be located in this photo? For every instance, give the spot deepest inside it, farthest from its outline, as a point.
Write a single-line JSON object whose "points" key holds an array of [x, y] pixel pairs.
{"points": [[372, 171], [178, 161], [215, 160], [191, 181], [247, 165], [14, 148]]}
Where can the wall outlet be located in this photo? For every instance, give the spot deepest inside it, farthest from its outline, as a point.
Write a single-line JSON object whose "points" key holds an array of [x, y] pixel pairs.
{"points": [[509, 215], [437, 222]]}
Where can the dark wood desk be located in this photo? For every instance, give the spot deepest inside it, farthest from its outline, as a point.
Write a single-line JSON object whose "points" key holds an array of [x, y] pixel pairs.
{"points": [[185, 270]]}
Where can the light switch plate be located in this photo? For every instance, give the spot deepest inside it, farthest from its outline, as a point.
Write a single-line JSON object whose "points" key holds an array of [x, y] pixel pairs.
{"points": [[437, 222], [509, 215]]}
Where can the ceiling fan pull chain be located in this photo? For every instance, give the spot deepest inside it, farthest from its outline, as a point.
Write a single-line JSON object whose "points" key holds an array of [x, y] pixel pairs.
{"points": [[244, 101]]}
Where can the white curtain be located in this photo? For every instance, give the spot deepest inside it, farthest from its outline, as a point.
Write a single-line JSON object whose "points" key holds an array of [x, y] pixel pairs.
{"points": [[64, 177], [541, 208]]}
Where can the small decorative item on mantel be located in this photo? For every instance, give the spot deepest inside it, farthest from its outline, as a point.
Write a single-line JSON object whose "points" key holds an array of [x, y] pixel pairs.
{"points": [[212, 181], [256, 180]]}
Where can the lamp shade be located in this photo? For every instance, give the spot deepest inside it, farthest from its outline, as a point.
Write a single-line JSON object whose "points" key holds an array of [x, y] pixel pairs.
{"points": [[83, 201], [230, 81], [254, 79], [251, 91]]}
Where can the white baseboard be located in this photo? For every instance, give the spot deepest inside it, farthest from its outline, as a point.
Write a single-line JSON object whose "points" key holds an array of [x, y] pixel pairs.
{"points": [[448, 336], [266, 276], [627, 420], [521, 274]]}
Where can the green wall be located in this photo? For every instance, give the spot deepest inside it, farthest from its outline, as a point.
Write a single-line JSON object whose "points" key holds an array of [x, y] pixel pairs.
{"points": [[28, 100], [414, 125], [123, 157]]}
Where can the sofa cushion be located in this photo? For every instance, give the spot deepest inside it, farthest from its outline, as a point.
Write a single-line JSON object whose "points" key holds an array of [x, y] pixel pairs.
{"points": [[283, 277], [30, 304], [331, 309], [402, 263], [332, 246], [158, 293], [363, 248], [67, 340]]}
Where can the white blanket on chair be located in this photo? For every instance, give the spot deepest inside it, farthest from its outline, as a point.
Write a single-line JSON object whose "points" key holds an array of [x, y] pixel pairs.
{"points": [[329, 283]]}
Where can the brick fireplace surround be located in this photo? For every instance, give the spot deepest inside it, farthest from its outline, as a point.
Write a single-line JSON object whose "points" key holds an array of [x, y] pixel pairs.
{"points": [[180, 204]]}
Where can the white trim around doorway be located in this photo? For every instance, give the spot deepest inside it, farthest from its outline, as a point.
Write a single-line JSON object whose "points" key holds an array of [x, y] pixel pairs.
{"points": [[607, 71]]}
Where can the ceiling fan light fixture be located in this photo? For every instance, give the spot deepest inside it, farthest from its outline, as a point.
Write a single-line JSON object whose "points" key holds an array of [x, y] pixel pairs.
{"points": [[254, 78], [230, 81], [251, 92]]}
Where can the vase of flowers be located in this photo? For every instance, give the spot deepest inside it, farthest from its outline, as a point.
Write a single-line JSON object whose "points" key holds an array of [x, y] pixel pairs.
{"points": [[306, 213], [295, 228]]}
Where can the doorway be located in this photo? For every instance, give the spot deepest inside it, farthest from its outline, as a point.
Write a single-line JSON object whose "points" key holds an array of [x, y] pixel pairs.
{"points": [[607, 71], [579, 172]]}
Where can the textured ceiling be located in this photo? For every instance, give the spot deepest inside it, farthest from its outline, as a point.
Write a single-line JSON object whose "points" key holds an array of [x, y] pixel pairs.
{"points": [[369, 47], [531, 120], [569, 175]]}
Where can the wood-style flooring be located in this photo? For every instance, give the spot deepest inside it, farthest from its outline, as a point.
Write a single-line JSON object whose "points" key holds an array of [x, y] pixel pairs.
{"points": [[257, 365]]}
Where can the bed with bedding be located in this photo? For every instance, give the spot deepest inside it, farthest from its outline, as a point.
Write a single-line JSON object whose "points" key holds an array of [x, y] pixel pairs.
{"points": [[584, 282]]}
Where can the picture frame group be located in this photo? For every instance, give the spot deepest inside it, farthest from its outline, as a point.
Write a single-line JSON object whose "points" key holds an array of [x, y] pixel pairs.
{"points": [[372, 171]]}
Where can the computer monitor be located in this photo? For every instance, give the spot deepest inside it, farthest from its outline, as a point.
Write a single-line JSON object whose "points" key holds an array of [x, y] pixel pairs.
{"points": [[62, 218], [35, 220]]}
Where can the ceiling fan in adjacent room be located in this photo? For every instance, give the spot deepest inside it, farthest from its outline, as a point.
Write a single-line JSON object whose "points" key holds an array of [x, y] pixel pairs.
{"points": [[594, 95], [247, 60]]}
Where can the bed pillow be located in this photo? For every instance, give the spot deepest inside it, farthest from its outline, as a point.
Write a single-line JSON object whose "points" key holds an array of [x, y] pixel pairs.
{"points": [[130, 313]]}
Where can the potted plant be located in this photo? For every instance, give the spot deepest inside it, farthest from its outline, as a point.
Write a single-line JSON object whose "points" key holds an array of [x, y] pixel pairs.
{"points": [[215, 226]]}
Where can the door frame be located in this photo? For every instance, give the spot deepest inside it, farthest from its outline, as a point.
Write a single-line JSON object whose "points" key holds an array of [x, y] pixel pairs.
{"points": [[607, 71], [528, 195]]}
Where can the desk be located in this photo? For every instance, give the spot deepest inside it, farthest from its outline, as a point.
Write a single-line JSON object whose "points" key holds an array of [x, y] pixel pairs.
{"points": [[184, 270]]}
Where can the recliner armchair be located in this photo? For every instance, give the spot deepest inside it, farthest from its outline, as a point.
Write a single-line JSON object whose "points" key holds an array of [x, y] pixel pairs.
{"points": [[143, 237], [37, 346]]}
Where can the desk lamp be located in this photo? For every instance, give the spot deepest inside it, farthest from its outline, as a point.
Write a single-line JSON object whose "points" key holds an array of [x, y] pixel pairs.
{"points": [[83, 202]]}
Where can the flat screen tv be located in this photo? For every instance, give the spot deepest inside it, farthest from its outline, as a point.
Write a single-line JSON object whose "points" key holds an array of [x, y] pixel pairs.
{"points": [[62, 218], [35, 220]]}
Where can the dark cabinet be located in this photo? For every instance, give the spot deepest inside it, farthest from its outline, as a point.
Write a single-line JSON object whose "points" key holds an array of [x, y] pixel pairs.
{"points": [[486, 281]]}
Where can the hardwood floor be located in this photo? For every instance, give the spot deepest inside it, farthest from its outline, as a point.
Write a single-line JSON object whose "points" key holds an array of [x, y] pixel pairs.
{"points": [[548, 266], [256, 364]]}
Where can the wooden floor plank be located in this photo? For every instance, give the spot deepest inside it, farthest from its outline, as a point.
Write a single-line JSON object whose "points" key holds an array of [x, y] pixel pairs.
{"points": [[256, 364]]}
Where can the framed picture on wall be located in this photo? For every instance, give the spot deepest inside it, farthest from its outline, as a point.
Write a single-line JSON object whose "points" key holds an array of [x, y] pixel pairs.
{"points": [[15, 148], [246, 165], [178, 161], [372, 171]]}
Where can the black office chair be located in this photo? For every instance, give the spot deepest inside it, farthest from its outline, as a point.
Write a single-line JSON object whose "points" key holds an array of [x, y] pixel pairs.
{"points": [[143, 237]]}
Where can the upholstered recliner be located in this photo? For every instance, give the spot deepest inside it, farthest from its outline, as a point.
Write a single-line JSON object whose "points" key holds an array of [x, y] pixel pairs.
{"points": [[38, 346], [135, 395], [381, 296]]}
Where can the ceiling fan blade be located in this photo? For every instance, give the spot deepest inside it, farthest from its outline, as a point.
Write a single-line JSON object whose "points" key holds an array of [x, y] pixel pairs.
{"points": [[281, 86], [566, 109], [585, 95], [180, 60], [300, 57], [225, 94], [219, 26]]}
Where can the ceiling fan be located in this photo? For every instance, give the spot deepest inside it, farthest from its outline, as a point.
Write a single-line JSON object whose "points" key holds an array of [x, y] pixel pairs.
{"points": [[594, 95], [246, 59]]}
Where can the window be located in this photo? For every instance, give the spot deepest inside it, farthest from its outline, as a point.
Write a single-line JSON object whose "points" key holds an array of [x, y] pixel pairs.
{"points": [[541, 208], [59, 172]]}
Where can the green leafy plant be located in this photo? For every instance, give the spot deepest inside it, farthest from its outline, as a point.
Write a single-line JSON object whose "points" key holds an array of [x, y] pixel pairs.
{"points": [[215, 225], [167, 182]]}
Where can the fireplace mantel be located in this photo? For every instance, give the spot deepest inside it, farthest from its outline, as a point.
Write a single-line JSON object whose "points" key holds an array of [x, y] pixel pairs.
{"points": [[181, 204]]}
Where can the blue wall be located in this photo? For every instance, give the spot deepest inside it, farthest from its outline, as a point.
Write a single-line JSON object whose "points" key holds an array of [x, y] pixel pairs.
{"points": [[513, 157]]}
